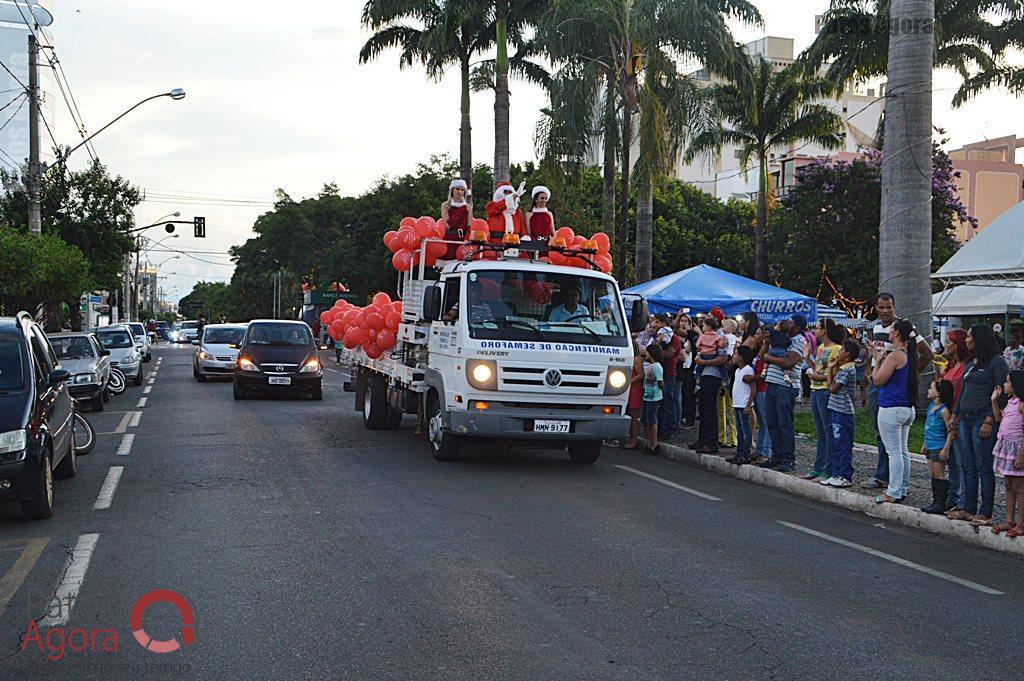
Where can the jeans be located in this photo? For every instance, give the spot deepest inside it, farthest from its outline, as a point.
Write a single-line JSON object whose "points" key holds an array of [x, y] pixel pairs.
{"points": [[668, 417], [822, 426], [764, 438], [781, 403], [677, 397], [841, 427], [894, 427], [708, 395], [882, 470], [726, 420], [744, 434], [975, 455], [687, 395], [954, 473]]}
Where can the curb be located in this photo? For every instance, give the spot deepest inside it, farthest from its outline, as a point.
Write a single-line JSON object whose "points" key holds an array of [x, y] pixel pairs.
{"points": [[911, 517]]}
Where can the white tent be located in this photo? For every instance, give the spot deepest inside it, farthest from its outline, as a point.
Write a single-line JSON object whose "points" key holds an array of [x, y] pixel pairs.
{"points": [[979, 300], [996, 255]]}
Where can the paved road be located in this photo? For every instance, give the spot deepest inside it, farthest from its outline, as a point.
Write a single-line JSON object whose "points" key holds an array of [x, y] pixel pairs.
{"points": [[309, 547]]}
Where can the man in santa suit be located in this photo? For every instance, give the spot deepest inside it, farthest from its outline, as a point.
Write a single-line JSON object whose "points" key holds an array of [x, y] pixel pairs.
{"points": [[503, 213]]}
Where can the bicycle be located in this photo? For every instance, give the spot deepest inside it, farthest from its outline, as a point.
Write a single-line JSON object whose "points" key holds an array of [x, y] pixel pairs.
{"points": [[83, 432], [117, 383]]}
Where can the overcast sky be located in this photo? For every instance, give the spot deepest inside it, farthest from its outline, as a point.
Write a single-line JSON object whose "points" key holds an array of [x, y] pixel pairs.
{"points": [[277, 99]]}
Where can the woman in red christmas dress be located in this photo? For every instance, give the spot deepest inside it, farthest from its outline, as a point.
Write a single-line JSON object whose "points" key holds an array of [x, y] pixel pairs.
{"points": [[457, 213], [539, 218]]}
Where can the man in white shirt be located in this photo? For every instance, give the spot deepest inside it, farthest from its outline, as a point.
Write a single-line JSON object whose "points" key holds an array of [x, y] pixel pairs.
{"points": [[569, 308]]}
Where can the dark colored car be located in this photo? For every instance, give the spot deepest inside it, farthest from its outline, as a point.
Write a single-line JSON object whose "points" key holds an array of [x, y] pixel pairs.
{"points": [[163, 330], [278, 356], [37, 415]]}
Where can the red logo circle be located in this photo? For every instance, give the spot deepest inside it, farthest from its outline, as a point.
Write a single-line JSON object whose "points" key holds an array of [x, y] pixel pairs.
{"points": [[188, 621]]}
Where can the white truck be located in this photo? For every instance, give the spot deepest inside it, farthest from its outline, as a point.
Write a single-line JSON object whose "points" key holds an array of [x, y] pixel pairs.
{"points": [[510, 349]]}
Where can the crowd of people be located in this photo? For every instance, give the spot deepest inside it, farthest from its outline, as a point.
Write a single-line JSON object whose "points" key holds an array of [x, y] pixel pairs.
{"points": [[739, 380]]}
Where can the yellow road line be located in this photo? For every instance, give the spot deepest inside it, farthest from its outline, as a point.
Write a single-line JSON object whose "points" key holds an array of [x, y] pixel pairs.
{"points": [[15, 576]]}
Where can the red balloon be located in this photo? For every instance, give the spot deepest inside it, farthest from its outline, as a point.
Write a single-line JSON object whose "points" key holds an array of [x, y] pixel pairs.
{"points": [[374, 321], [604, 262], [338, 326], [392, 320], [407, 222], [407, 238], [402, 260], [556, 258], [385, 339], [604, 244], [479, 225], [440, 228], [397, 306], [326, 317], [349, 317], [463, 252], [389, 240], [577, 241], [335, 336], [381, 297], [566, 233], [425, 226], [436, 249], [372, 351], [357, 334]]}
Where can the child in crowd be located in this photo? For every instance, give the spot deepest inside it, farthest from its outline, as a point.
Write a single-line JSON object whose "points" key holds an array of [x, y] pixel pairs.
{"points": [[654, 384], [1008, 454], [938, 438], [778, 346], [842, 384], [636, 397], [709, 342], [744, 389], [727, 435]]}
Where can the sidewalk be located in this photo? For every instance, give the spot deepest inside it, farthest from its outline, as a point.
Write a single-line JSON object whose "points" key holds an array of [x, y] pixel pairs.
{"points": [[854, 498]]}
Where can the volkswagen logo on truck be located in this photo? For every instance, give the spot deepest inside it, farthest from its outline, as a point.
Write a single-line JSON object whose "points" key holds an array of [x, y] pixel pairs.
{"points": [[553, 378]]}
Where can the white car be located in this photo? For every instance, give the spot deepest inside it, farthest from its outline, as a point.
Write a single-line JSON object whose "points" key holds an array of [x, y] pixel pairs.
{"points": [[217, 350], [142, 340], [188, 332], [124, 351]]}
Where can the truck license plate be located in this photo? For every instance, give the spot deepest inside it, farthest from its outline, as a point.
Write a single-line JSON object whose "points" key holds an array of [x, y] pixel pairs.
{"points": [[541, 426], [279, 380]]}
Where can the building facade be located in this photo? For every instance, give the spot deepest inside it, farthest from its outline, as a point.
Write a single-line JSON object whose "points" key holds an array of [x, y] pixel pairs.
{"points": [[991, 181], [14, 118]]}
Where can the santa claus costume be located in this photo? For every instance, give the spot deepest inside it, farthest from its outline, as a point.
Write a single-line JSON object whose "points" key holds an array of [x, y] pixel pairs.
{"points": [[457, 213], [540, 219], [503, 214]]}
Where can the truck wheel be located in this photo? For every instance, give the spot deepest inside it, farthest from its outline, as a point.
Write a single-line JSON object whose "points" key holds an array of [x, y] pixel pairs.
{"points": [[444, 445], [375, 403], [585, 452]]}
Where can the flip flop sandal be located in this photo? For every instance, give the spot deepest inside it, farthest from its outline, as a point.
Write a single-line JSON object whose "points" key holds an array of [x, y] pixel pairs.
{"points": [[888, 500], [1002, 527], [981, 522], [959, 514], [1015, 531]]}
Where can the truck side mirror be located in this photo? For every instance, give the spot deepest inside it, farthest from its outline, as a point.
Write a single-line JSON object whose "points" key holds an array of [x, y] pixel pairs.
{"points": [[431, 311], [640, 316]]}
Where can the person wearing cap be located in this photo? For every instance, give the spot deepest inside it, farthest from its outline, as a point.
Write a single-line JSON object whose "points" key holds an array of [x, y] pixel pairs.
{"points": [[503, 213], [783, 379], [539, 218]]}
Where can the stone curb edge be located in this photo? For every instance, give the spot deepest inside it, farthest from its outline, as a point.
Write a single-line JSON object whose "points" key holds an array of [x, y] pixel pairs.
{"points": [[911, 517]]}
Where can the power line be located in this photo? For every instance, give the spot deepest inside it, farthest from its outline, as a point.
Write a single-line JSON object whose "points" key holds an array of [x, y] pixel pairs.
{"points": [[13, 115]]}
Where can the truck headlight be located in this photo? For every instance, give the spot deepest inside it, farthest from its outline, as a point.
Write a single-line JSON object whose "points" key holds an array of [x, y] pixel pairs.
{"points": [[616, 382], [13, 441], [482, 374]]}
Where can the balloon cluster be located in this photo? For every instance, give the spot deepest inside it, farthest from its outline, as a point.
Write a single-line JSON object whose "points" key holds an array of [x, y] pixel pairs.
{"points": [[575, 242], [405, 242], [372, 328]]}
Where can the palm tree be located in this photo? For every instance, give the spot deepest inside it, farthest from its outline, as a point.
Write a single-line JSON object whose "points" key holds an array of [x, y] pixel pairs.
{"points": [[759, 109], [971, 37], [436, 34]]}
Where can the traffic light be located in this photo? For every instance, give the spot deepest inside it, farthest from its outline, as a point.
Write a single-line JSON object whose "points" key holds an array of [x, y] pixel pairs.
{"points": [[200, 227]]}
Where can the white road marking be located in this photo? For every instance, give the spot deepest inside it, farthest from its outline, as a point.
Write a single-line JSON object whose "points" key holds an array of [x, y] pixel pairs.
{"points": [[136, 415], [142, 402], [669, 483], [152, 379], [122, 425], [148, 389], [125, 448], [70, 582], [109, 487], [895, 559]]}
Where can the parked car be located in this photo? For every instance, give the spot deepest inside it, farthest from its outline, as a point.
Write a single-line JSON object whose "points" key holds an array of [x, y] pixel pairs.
{"points": [[188, 332], [142, 340], [278, 356], [175, 331], [89, 364], [163, 330], [124, 352], [37, 416], [216, 350]]}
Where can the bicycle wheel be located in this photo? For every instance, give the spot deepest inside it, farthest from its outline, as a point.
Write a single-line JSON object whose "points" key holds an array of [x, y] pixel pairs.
{"points": [[117, 382], [85, 436]]}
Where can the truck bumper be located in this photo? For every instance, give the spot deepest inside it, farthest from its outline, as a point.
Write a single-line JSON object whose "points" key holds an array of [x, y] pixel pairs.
{"points": [[518, 424]]}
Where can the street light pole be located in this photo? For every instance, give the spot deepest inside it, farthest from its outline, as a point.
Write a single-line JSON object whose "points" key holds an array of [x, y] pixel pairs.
{"points": [[35, 210]]}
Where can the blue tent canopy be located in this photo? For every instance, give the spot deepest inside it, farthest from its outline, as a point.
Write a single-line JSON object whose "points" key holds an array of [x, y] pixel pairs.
{"points": [[702, 287]]}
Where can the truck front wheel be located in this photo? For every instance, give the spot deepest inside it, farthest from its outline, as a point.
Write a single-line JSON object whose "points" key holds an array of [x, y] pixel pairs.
{"points": [[585, 451], [443, 445]]}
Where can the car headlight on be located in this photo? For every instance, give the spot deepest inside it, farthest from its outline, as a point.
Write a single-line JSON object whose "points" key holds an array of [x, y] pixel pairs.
{"points": [[86, 378], [246, 364], [203, 354], [616, 382], [13, 444], [482, 374], [310, 366]]}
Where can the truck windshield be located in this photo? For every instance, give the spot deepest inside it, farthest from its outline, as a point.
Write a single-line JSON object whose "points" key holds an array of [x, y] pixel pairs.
{"points": [[511, 305]]}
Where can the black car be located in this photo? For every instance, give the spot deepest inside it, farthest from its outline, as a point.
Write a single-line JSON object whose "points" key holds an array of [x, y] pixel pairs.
{"points": [[36, 418], [278, 356]]}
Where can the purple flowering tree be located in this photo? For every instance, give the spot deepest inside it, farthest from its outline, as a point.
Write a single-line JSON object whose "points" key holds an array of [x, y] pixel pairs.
{"points": [[830, 218]]}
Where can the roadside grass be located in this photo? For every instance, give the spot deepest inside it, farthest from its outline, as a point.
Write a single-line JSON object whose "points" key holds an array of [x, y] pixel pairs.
{"points": [[864, 433]]}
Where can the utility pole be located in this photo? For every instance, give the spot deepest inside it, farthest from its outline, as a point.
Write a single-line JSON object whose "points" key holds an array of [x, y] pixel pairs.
{"points": [[35, 220], [135, 299]]}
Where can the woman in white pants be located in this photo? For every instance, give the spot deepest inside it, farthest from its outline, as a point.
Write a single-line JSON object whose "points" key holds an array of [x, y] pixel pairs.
{"points": [[896, 379]]}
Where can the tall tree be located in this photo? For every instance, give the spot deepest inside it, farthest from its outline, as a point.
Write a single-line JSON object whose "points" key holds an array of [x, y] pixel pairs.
{"points": [[759, 108], [501, 95], [436, 34], [971, 37], [905, 234]]}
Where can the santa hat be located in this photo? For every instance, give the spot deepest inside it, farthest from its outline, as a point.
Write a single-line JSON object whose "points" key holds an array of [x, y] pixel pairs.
{"points": [[540, 189], [458, 184], [499, 191]]}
